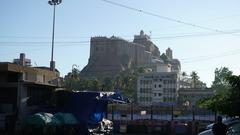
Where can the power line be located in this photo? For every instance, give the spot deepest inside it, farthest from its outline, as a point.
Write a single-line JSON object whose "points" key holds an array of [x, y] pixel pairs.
{"points": [[29, 43], [205, 20], [164, 35], [204, 56], [223, 17], [41, 42], [186, 60], [192, 35], [164, 17], [60, 37], [211, 57], [18, 51], [40, 37], [30, 50]]}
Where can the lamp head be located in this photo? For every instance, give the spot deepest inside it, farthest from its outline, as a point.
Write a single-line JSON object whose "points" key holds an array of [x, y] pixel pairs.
{"points": [[54, 2]]}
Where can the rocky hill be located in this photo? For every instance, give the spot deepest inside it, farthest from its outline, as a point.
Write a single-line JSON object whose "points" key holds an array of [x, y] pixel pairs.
{"points": [[109, 56]]}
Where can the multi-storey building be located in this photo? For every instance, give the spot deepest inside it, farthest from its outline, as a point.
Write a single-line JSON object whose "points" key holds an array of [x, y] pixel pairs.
{"points": [[158, 88], [24, 89]]}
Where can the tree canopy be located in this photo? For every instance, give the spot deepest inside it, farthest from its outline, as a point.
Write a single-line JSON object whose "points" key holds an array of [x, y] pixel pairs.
{"points": [[192, 80], [220, 83], [195, 78], [126, 82], [226, 102]]}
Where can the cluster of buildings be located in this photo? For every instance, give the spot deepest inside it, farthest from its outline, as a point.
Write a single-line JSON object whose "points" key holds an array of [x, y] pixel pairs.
{"points": [[161, 85], [25, 89], [165, 86]]}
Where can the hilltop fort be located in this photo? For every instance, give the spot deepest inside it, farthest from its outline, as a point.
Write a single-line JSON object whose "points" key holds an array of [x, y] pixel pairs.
{"points": [[109, 56]]}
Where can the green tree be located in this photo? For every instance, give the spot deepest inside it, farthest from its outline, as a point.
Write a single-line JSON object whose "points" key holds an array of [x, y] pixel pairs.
{"points": [[107, 84], [233, 96], [118, 81], [220, 83], [195, 78], [227, 102], [125, 81], [184, 74], [96, 84], [215, 103], [72, 79], [141, 70], [165, 58]]}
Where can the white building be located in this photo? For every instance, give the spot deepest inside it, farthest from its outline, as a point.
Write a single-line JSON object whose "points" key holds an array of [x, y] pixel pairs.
{"points": [[158, 87]]}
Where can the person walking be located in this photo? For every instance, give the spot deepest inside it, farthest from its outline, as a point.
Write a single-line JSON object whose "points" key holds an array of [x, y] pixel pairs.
{"points": [[219, 128]]}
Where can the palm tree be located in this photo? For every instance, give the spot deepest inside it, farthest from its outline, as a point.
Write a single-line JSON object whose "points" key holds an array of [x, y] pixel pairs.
{"points": [[195, 78], [183, 76], [184, 73]]}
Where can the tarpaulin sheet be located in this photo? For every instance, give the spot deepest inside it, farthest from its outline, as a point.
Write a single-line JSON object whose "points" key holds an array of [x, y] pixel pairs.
{"points": [[85, 106]]}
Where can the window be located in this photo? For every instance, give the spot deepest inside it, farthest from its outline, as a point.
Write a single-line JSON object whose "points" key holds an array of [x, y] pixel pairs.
{"points": [[159, 94], [159, 85], [174, 90]]}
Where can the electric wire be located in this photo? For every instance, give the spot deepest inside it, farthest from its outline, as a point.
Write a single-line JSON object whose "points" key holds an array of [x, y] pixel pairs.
{"points": [[210, 58], [164, 17], [86, 42]]}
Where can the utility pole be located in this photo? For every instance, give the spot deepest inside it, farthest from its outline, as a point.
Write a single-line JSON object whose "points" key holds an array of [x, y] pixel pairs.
{"points": [[53, 3]]}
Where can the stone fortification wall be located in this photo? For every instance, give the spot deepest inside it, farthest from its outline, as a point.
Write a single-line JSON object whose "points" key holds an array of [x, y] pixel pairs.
{"points": [[109, 56]]}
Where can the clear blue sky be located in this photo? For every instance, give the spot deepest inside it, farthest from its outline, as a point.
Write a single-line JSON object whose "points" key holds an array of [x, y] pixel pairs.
{"points": [[26, 26]]}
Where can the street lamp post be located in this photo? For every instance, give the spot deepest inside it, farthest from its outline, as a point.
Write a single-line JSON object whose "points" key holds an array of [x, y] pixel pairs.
{"points": [[54, 3]]}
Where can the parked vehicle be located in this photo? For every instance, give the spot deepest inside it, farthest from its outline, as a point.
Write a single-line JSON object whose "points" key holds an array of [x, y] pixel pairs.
{"points": [[230, 125], [234, 129], [225, 121], [206, 132]]}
